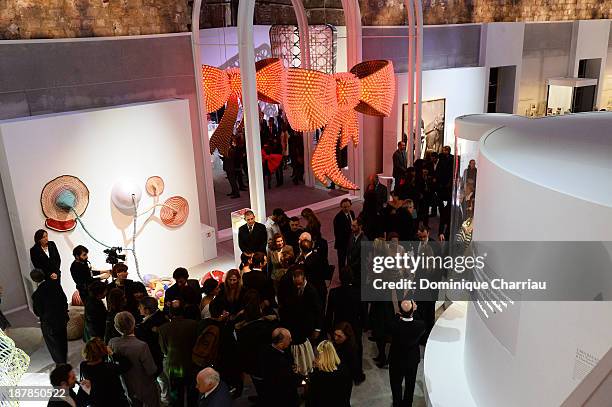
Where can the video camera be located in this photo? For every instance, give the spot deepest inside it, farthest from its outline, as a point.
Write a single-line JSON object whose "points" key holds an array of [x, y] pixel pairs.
{"points": [[112, 256]]}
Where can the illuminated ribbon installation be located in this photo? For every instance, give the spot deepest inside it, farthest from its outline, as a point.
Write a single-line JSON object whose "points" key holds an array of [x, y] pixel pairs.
{"points": [[312, 100], [224, 86]]}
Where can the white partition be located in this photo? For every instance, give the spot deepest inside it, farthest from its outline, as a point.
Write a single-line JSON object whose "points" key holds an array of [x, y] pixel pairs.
{"points": [[101, 147], [539, 180]]}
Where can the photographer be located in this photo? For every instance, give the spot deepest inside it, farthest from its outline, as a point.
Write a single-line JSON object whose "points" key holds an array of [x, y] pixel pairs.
{"points": [[82, 273]]}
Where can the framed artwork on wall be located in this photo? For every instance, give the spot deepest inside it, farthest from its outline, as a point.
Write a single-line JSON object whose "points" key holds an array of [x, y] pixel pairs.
{"points": [[432, 124]]}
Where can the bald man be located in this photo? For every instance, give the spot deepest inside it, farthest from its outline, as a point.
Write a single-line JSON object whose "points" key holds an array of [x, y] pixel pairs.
{"points": [[213, 392], [405, 353], [280, 381]]}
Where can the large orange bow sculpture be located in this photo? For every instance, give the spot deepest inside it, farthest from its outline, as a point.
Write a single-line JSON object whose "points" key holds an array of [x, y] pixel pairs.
{"points": [[314, 99], [224, 86]]}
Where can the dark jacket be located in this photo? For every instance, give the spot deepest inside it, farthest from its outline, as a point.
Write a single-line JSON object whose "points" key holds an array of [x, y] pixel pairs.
{"points": [[342, 230], [253, 337], [95, 318], [302, 314], [128, 288], [81, 399], [344, 304], [176, 340], [147, 331], [48, 264], [354, 256], [187, 294], [405, 349], [330, 389], [399, 164], [106, 387], [82, 275], [219, 397], [50, 303], [279, 380], [256, 241], [258, 281], [316, 270]]}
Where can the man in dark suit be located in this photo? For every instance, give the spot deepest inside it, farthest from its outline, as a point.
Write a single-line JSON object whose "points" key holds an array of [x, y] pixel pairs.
{"points": [[257, 280], [213, 391], [280, 381], [233, 169], [315, 268], [187, 295], [292, 236], [51, 307], [354, 249], [342, 230], [252, 237], [400, 163], [427, 298], [63, 379], [405, 354]]}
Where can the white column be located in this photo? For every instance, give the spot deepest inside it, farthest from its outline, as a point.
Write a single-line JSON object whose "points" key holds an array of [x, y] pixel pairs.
{"points": [[203, 122], [246, 56], [352, 16]]}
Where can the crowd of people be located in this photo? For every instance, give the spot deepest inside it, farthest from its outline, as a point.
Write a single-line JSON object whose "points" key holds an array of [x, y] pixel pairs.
{"points": [[281, 147], [275, 319]]}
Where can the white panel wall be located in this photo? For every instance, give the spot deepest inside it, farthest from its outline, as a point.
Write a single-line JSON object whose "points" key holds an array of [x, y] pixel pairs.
{"points": [[590, 42], [101, 147], [502, 45], [463, 89]]}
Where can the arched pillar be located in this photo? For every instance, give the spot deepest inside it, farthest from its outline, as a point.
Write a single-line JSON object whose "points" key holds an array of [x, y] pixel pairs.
{"points": [[202, 119]]}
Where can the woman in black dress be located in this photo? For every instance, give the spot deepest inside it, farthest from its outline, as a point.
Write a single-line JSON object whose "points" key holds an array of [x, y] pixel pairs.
{"points": [[330, 382], [106, 388], [44, 255]]}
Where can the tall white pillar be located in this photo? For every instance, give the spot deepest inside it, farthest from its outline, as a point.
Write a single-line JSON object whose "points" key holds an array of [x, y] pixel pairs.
{"points": [[246, 56]]}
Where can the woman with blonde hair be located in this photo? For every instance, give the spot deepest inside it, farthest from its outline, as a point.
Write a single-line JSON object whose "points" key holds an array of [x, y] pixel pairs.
{"points": [[330, 382], [231, 296], [106, 387]]}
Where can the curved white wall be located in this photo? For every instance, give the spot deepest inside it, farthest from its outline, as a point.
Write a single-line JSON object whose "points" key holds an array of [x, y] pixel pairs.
{"points": [[526, 356]]}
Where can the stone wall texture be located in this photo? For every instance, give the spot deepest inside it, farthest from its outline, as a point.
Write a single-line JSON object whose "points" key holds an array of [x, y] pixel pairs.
{"points": [[25, 19]]}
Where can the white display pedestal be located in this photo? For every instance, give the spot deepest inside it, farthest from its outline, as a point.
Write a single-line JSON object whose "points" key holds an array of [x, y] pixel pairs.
{"points": [[445, 380], [237, 221], [209, 241]]}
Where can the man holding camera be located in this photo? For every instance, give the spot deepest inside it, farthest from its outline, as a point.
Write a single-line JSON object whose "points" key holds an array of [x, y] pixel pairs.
{"points": [[82, 273]]}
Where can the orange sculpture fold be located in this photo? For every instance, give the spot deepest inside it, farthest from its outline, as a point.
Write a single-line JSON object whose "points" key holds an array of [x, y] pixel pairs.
{"points": [[369, 88], [224, 86], [312, 100]]}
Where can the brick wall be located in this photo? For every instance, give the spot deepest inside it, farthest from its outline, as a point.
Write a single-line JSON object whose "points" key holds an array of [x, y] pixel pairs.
{"points": [[24, 19], [95, 18]]}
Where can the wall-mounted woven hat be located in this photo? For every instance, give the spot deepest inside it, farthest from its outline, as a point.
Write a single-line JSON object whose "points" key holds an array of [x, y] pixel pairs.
{"points": [[155, 186], [59, 198], [174, 212]]}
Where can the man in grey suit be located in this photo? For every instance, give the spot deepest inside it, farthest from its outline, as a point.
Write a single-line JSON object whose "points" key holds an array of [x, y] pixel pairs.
{"points": [[140, 379], [400, 163]]}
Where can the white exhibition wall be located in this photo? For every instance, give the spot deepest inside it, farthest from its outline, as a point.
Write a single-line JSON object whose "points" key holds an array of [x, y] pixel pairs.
{"points": [[101, 147], [463, 89]]}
